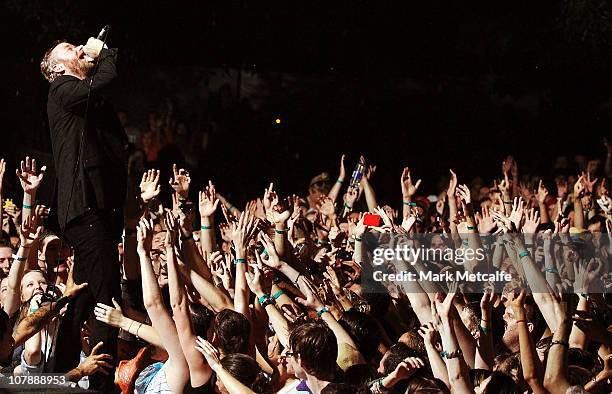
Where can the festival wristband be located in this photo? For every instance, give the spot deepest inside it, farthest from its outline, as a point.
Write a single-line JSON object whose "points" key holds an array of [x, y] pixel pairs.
{"points": [[321, 311], [277, 295], [240, 261], [205, 227]]}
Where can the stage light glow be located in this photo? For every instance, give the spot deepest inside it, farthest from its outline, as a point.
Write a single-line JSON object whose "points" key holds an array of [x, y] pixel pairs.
{"points": [[277, 121]]}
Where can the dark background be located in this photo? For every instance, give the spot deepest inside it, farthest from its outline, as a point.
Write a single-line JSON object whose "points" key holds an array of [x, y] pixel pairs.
{"points": [[432, 85]]}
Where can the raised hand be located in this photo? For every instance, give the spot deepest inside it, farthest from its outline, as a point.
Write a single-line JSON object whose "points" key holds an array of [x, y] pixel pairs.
{"points": [[464, 193], [406, 368], [149, 185], [270, 257], [172, 228], [28, 175], [208, 201], [532, 221], [30, 231], [444, 305], [605, 203], [342, 174], [253, 280], [486, 223], [430, 335], [518, 304], [210, 353], [541, 193], [270, 198], [95, 362], [351, 196], [452, 185], [579, 187], [244, 230], [312, 300], [144, 236], [327, 206], [518, 210], [107, 314], [180, 181], [408, 188], [588, 183]]}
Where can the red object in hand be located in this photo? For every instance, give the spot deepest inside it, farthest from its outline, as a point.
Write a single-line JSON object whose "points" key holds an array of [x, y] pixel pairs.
{"points": [[371, 219]]}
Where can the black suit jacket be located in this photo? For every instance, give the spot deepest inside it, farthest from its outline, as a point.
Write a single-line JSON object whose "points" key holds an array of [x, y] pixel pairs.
{"points": [[100, 181]]}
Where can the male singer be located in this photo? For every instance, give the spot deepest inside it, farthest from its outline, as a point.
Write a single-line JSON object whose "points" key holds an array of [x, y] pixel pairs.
{"points": [[91, 185]]}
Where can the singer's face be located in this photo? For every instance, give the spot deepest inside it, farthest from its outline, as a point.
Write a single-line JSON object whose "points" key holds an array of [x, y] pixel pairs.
{"points": [[73, 59]]}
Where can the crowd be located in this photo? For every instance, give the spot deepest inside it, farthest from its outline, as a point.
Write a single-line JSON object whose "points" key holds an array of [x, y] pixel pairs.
{"points": [[279, 296]]}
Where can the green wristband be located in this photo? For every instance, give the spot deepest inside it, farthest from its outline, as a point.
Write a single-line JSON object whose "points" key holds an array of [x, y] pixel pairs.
{"points": [[205, 227], [524, 253], [410, 203], [277, 295], [471, 228], [281, 231], [26, 206], [340, 182], [321, 311], [240, 261]]}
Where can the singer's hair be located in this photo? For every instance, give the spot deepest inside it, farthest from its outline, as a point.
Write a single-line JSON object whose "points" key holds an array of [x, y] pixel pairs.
{"points": [[48, 62]]}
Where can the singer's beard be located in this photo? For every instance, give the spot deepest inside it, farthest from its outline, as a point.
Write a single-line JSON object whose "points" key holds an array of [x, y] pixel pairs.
{"points": [[81, 67]]}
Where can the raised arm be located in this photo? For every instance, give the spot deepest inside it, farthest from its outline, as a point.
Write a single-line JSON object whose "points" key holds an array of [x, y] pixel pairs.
{"points": [[555, 377], [199, 371], [74, 92], [29, 234], [208, 203], [178, 370], [335, 190], [114, 317], [408, 191], [458, 374], [532, 371]]}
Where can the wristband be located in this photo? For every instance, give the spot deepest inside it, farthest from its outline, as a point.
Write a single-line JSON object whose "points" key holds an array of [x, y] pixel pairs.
{"points": [[138, 329], [356, 238], [562, 343], [551, 270], [524, 253], [281, 231], [297, 279], [230, 207], [15, 257], [521, 321], [130, 327], [321, 311], [205, 227], [26, 206], [449, 355], [348, 206], [508, 202], [239, 261], [584, 295], [277, 295], [263, 298], [339, 181], [409, 203], [471, 228], [485, 330]]}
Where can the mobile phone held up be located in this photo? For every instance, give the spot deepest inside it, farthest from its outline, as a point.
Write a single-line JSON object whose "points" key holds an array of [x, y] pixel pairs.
{"points": [[371, 219]]}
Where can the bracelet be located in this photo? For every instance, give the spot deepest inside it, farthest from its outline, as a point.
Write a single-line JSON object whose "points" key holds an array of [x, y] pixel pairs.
{"points": [[348, 206], [339, 181], [524, 253], [281, 231], [449, 355], [562, 343], [26, 206], [240, 261], [205, 227], [485, 330], [321, 311], [266, 300], [279, 293], [130, 327], [409, 203], [15, 257], [471, 228], [297, 278], [584, 295], [551, 270], [356, 238], [508, 202], [138, 329], [230, 207], [521, 321]]}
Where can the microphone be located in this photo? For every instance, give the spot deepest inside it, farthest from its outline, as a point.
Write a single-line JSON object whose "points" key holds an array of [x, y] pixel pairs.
{"points": [[103, 33]]}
